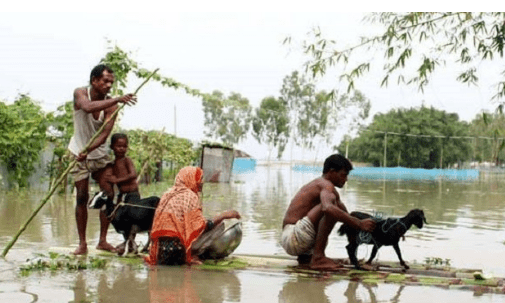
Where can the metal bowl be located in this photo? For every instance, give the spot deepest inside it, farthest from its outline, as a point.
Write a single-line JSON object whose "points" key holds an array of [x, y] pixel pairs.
{"points": [[223, 245]]}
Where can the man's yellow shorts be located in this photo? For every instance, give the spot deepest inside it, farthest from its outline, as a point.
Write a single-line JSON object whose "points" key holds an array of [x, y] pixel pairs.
{"points": [[83, 169]]}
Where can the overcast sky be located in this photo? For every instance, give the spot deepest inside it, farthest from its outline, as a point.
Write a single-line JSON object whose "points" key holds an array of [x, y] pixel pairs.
{"points": [[49, 54]]}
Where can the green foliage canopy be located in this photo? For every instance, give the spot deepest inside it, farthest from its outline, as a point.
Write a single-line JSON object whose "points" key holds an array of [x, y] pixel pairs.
{"points": [[312, 114], [418, 138], [270, 124], [23, 127], [152, 147], [297, 92], [489, 130], [227, 118]]}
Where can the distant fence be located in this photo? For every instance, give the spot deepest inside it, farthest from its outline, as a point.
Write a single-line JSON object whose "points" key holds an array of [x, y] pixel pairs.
{"points": [[401, 173]]}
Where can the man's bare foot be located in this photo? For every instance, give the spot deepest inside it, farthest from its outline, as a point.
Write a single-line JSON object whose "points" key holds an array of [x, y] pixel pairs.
{"points": [[324, 264], [304, 259], [106, 246], [367, 266], [82, 249]]}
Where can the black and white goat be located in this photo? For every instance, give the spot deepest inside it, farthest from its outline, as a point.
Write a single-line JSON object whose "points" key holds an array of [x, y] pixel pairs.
{"points": [[387, 232], [128, 219]]}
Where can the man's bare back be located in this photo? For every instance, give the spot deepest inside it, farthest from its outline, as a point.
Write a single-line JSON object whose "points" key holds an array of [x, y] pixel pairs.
{"points": [[306, 199]]}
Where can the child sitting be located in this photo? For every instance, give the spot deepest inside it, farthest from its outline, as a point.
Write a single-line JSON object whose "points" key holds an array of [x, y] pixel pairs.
{"points": [[122, 173]]}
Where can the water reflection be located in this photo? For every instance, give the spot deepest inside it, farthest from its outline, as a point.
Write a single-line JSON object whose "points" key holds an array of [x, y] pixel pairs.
{"points": [[182, 284], [303, 290], [269, 202], [354, 296], [307, 290], [159, 284]]}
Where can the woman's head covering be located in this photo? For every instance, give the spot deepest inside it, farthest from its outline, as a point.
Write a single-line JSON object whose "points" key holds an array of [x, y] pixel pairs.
{"points": [[179, 213], [189, 177]]}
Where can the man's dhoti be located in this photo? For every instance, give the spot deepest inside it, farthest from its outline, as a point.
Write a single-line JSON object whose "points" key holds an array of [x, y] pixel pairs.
{"points": [[298, 238]]}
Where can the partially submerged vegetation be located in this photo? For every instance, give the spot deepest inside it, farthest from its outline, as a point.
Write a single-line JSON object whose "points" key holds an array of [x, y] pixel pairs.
{"points": [[429, 274], [56, 262]]}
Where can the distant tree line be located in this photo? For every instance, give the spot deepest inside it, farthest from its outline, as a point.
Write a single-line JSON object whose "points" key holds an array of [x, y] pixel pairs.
{"points": [[428, 138], [300, 113]]}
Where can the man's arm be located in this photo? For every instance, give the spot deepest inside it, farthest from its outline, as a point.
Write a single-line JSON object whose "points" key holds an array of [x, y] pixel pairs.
{"points": [[81, 101], [341, 205], [330, 202]]}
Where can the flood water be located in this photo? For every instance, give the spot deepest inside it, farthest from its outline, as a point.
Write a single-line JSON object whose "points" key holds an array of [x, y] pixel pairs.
{"points": [[465, 226]]}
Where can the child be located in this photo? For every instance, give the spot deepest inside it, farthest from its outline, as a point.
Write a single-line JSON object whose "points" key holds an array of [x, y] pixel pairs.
{"points": [[123, 172]]}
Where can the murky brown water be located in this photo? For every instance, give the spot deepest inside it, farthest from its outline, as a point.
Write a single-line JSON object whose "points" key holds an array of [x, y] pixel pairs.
{"points": [[466, 225]]}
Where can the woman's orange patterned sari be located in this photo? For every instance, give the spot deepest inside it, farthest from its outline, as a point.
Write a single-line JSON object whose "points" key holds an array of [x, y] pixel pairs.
{"points": [[179, 213]]}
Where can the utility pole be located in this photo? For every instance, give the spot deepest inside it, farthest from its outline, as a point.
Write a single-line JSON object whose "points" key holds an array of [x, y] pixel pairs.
{"points": [[175, 120]]}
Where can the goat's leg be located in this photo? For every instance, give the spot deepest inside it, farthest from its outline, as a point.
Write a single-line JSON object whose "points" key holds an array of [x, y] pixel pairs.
{"points": [[133, 233], [375, 249], [121, 247], [351, 251], [146, 247], [122, 250], [399, 254]]}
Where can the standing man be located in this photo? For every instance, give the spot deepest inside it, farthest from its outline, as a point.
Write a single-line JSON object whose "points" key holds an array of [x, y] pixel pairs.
{"points": [[313, 213], [92, 108]]}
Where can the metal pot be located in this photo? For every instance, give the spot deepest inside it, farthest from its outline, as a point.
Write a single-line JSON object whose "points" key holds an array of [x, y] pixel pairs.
{"points": [[227, 241]]}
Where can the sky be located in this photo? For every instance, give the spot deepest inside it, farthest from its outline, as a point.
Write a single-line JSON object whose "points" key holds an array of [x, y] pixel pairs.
{"points": [[48, 49]]}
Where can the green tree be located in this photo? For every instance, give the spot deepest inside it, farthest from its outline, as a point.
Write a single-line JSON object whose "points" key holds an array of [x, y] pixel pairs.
{"points": [[148, 149], [60, 131], [314, 119], [352, 112], [297, 92], [270, 125], [23, 127], [417, 138], [488, 130], [227, 119], [415, 45]]}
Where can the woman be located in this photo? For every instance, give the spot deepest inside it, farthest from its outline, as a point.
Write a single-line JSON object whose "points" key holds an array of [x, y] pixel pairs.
{"points": [[179, 221]]}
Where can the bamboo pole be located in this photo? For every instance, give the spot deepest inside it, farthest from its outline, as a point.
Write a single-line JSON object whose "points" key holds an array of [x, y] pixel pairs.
{"points": [[65, 173]]}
